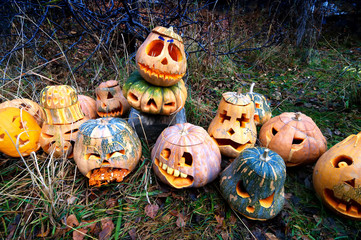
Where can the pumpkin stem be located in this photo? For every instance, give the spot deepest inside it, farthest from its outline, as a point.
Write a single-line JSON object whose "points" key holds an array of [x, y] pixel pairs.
{"points": [[251, 88], [265, 156], [239, 92], [298, 116]]}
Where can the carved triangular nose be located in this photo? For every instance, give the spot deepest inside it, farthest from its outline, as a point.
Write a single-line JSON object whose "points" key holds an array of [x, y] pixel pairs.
{"points": [[105, 162], [164, 61]]}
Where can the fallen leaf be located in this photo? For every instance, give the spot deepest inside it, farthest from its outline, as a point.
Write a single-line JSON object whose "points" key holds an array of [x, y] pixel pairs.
{"points": [[219, 219], [133, 234], [270, 236], [111, 203], [232, 220], [107, 228], [44, 233], [71, 200], [79, 234], [72, 221], [174, 213], [180, 221], [151, 210], [225, 235]]}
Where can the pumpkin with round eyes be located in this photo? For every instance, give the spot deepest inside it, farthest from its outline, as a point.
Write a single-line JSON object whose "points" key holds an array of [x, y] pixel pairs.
{"points": [[233, 128], [295, 137], [253, 184], [185, 156], [110, 100], [60, 104], [18, 129], [337, 177], [262, 108], [88, 106], [28, 105], [148, 98], [161, 59], [107, 149]]}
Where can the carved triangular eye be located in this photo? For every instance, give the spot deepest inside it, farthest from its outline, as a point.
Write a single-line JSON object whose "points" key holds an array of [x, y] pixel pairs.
{"points": [[109, 96], [241, 190], [92, 156]]}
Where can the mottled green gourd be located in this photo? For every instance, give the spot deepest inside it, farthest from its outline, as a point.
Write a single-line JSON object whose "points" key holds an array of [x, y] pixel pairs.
{"points": [[253, 184], [263, 111]]}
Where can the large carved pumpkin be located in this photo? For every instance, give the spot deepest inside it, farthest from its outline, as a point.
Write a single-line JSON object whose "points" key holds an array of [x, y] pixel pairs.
{"points": [[106, 150], [253, 184], [295, 137], [18, 129], [337, 177], [185, 156], [161, 59], [148, 98], [233, 128]]}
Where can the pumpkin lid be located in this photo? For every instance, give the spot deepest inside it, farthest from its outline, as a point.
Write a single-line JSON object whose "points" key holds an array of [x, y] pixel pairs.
{"points": [[184, 135], [236, 98], [109, 84], [167, 32], [103, 127], [58, 96]]}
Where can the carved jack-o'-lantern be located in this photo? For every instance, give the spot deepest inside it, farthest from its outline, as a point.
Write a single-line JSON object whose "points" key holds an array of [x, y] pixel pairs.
{"points": [[110, 100], [106, 150], [233, 128], [148, 98], [161, 59], [253, 184], [185, 156], [337, 177], [295, 137], [262, 108], [28, 105], [19, 129], [60, 104]]}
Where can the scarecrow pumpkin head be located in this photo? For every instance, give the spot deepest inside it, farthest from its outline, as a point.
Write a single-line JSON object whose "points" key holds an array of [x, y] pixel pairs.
{"points": [[28, 105], [337, 177], [233, 128], [60, 104], [295, 137], [88, 106], [262, 108], [185, 156], [253, 184], [161, 59], [18, 129], [148, 98], [110, 100], [106, 150], [59, 139]]}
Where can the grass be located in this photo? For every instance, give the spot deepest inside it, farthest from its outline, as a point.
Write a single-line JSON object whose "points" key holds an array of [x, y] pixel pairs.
{"points": [[40, 193]]}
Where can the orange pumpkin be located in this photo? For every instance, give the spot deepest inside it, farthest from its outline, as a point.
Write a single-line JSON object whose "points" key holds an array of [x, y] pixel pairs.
{"points": [[161, 59], [295, 137], [88, 106], [18, 129]]}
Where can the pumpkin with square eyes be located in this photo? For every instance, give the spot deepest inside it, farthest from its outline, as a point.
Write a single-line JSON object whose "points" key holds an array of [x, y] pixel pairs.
{"points": [[161, 59], [148, 98], [253, 184], [262, 107], [234, 128], [337, 177], [110, 100], [295, 137], [107, 150], [185, 156], [18, 129]]}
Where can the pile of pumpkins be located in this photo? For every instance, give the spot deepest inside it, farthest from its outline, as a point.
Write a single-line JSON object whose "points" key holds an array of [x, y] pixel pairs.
{"points": [[106, 148]]}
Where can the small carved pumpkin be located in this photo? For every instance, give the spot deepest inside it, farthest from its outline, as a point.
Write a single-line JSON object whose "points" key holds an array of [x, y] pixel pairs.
{"points": [[295, 137], [59, 139], [28, 105], [88, 106], [18, 128], [106, 150], [60, 104], [337, 177], [185, 156], [262, 108], [233, 128], [253, 184], [152, 99], [110, 100], [161, 59]]}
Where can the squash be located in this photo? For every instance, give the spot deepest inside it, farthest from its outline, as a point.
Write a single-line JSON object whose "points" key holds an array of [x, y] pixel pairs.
{"points": [[253, 184], [148, 98], [161, 59], [88, 106], [263, 111], [185, 156]]}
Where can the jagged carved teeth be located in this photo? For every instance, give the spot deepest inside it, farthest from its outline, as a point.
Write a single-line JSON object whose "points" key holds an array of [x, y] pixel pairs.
{"points": [[172, 171], [109, 114]]}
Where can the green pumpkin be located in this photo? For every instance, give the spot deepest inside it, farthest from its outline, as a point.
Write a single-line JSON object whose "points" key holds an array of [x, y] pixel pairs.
{"points": [[152, 99], [253, 184], [263, 111]]}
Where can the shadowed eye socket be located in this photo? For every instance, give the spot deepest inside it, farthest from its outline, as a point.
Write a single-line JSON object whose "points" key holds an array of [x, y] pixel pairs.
{"points": [[165, 153], [341, 161], [175, 52], [155, 48], [241, 190], [92, 156], [116, 154]]}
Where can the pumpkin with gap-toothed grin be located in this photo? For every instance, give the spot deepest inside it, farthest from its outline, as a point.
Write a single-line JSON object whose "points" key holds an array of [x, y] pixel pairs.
{"points": [[185, 156]]}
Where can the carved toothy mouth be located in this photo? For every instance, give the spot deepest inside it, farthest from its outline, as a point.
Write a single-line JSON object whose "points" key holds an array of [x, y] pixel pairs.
{"points": [[350, 208], [156, 73], [176, 178], [105, 175], [221, 142], [115, 113]]}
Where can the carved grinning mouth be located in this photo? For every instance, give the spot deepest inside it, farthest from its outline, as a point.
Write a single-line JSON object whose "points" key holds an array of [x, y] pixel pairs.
{"points": [[176, 178], [164, 75], [228, 142], [351, 208], [105, 175]]}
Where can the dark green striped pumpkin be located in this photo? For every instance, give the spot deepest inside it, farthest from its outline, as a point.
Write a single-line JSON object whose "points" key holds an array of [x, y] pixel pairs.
{"points": [[149, 98], [253, 184], [263, 111]]}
